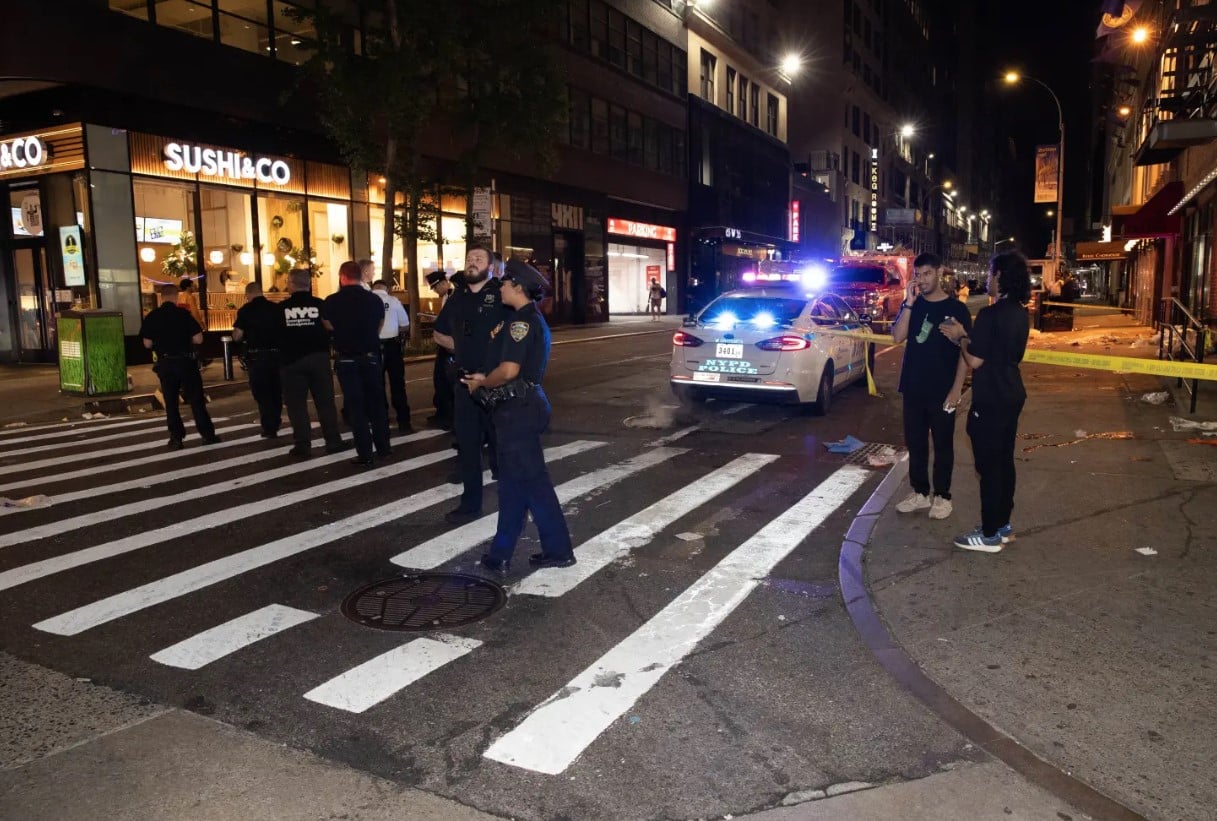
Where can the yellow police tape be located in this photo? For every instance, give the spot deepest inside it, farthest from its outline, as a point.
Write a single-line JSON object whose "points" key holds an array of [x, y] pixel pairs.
{"points": [[1098, 362], [1079, 306]]}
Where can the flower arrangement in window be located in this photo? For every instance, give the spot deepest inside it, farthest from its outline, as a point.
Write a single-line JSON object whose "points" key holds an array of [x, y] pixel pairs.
{"points": [[182, 258]]}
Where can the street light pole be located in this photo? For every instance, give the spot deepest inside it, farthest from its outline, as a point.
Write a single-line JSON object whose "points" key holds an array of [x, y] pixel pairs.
{"points": [[1014, 77]]}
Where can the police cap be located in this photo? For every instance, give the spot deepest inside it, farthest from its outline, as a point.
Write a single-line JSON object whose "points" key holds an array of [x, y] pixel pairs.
{"points": [[435, 278], [527, 277]]}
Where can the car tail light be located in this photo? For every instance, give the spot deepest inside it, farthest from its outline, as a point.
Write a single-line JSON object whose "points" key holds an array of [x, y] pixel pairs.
{"points": [[784, 343], [685, 340]]}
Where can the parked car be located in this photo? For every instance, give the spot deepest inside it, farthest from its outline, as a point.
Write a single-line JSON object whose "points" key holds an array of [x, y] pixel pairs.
{"points": [[873, 289]]}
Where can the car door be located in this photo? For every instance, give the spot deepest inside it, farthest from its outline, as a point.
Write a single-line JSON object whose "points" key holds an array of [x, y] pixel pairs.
{"points": [[826, 314], [852, 322]]}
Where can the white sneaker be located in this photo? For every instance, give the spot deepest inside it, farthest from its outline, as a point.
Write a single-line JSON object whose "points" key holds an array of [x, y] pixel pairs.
{"points": [[914, 502], [940, 508]]}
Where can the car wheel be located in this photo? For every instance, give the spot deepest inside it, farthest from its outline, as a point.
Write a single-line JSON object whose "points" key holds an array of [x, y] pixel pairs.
{"points": [[823, 402], [688, 396]]}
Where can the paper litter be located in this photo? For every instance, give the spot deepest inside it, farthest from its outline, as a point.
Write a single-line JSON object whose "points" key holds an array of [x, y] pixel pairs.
{"points": [[1147, 551], [1155, 397], [1178, 423], [847, 445], [887, 455], [689, 537], [37, 500]]}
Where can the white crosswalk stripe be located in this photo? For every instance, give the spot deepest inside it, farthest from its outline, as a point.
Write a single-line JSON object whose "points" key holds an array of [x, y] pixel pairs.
{"points": [[94, 440], [554, 734], [109, 514], [211, 645], [447, 546], [82, 428], [132, 601]]}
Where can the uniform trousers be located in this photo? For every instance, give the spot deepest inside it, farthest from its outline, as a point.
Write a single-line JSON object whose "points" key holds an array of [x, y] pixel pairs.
{"points": [[267, 388], [474, 428], [395, 369], [363, 391], [443, 383], [180, 378], [993, 431], [524, 483], [310, 374], [925, 420]]}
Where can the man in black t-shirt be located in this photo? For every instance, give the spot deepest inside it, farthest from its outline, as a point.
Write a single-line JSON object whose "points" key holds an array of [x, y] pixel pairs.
{"points": [[305, 356], [931, 381], [355, 316], [171, 332], [259, 324]]}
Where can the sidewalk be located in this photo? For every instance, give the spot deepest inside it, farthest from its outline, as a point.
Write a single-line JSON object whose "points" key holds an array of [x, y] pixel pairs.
{"points": [[30, 393], [1094, 657]]}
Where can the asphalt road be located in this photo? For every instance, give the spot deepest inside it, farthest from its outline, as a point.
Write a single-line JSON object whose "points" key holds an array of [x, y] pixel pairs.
{"points": [[696, 663]]}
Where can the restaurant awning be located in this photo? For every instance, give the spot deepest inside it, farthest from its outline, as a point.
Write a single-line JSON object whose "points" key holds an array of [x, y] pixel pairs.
{"points": [[1153, 219], [1095, 251]]}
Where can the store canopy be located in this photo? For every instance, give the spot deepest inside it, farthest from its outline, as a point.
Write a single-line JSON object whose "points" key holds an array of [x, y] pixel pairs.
{"points": [[1153, 219], [1095, 251]]}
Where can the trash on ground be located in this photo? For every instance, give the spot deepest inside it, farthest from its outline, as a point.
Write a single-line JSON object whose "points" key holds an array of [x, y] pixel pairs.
{"points": [[16, 424], [689, 537], [37, 500], [1178, 423], [1155, 397], [88, 415], [886, 455], [1147, 551], [1035, 435], [1079, 433], [635, 720], [1194, 441], [847, 445], [1083, 436]]}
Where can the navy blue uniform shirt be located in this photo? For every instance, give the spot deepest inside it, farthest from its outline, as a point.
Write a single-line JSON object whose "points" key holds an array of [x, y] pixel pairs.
{"points": [[170, 328], [356, 315], [262, 323], [469, 318], [523, 338]]}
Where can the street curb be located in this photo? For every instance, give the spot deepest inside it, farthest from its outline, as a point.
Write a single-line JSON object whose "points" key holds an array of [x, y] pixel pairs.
{"points": [[900, 665]]}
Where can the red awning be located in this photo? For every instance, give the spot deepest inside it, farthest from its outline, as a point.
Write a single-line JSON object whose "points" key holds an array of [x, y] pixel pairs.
{"points": [[1153, 219]]}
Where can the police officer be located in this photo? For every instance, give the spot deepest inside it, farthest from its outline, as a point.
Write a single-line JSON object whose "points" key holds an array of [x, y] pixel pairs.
{"points": [[463, 326], [355, 316], [304, 353], [396, 323], [519, 355], [171, 332], [441, 371], [259, 324]]}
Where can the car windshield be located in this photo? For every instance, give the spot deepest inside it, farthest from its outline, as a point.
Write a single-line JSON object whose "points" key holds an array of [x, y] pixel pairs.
{"points": [[859, 273], [754, 311]]}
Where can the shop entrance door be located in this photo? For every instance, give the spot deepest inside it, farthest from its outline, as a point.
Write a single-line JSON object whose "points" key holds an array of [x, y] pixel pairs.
{"points": [[30, 302]]}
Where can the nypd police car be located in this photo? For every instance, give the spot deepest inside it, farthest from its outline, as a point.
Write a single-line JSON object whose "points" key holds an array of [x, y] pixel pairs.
{"points": [[766, 343]]}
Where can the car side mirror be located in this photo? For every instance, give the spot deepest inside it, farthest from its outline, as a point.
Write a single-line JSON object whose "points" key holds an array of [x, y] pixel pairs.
{"points": [[689, 322]]}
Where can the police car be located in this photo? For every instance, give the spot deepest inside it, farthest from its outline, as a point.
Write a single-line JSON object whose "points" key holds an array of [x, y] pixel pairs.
{"points": [[765, 343]]}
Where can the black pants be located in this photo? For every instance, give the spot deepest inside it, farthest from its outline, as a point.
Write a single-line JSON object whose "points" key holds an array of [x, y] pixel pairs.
{"points": [[923, 421], [993, 431], [395, 369], [267, 388], [310, 374], [180, 378], [363, 392], [441, 380], [474, 428]]}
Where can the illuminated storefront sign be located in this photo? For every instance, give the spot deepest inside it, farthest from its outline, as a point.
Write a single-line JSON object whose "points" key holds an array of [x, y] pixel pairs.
{"points": [[671, 256], [641, 230], [874, 189], [22, 152], [225, 164], [794, 221]]}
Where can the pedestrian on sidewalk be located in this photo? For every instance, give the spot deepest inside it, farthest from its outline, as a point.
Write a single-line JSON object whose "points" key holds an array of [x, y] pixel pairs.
{"points": [[655, 297], [994, 350], [188, 298], [931, 382], [443, 369], [463, 326], [259, 324], [396, 324], [519, 354], [304, 352], [171, 333], [355, 316]]}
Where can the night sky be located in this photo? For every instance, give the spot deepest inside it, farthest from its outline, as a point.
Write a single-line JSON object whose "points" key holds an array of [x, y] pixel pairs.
{"points": [[1054, 41]]}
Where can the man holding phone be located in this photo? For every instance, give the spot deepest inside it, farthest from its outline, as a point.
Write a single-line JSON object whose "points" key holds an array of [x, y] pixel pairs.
{"points": [[931, 381]]}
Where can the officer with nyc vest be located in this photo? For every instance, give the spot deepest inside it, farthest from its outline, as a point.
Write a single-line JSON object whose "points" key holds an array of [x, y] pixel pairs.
{"points": [[304, 356], [511, 389]]}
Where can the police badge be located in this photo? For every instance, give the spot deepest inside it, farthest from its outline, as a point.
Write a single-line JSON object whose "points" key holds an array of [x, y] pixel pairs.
{"points": [[519, 330]]}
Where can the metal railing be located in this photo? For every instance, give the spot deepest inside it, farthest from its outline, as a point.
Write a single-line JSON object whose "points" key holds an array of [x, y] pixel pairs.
{"points": [[1177, 325]]}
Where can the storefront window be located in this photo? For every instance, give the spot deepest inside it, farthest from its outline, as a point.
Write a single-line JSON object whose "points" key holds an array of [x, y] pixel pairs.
{"points": [[631, 269], [292, 36], [243, 24], [227, 247], [329, 229], [25, 205], [281, 229], [164, 235]]}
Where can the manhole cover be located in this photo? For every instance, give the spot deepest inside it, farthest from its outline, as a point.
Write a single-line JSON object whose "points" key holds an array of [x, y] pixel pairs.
{"points": [[427, 601]]}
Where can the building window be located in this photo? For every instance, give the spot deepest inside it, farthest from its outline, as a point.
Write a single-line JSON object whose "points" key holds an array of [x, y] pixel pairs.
{"points": [[618, 140], [616, 38], [600, 127], [580, 120], [866, 128], [578, 33], [709, 65], [598, 31], [857, 121], [633, 47], [634, 139], [705, 168], [743, 98], [771, 120], [754, 101], [244, 25], [856, 169], [190, 17], [135, 8], [650, 56], [731, 88]]}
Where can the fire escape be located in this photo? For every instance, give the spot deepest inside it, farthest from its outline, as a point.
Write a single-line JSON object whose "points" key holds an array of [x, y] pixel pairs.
{"points": [[1185, 110]]}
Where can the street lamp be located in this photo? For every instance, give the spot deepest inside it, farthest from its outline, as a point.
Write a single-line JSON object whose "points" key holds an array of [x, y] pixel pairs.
{"points": [[791, 64], [945, 187], [1012, 78], [907, 130], [1140, 35]]}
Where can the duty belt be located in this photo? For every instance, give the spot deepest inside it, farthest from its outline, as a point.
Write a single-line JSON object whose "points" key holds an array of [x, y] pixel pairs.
{"points": [[490, 398], [160, 356]]}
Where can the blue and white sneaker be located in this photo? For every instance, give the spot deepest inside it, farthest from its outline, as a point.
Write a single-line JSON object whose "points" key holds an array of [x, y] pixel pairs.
{"points": [[977, 540], [1006, 532]]}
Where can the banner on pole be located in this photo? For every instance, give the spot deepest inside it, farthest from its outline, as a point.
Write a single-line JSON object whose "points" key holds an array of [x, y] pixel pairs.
{"points": [[1046, 159]]}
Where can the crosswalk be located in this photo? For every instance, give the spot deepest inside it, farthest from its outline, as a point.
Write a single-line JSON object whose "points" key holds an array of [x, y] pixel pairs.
{"points": [[201, 530]]}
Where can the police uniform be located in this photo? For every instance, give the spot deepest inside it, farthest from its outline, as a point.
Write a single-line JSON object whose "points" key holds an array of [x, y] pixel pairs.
{"points": [[468, 318], [356, 315], [304, 353], [521, 414], [441, 371], [396, 321], [261, 323], [171, 329]]}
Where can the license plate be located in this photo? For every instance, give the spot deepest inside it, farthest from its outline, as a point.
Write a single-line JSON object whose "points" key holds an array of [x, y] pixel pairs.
{"points": [[707, 377], [727, 350]]}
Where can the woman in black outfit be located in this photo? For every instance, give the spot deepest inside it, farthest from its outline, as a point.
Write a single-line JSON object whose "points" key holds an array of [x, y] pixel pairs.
{"points": [[993, 351]]}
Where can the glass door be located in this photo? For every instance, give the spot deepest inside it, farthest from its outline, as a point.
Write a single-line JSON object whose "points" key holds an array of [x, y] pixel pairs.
{"points": [[35, 308]]}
